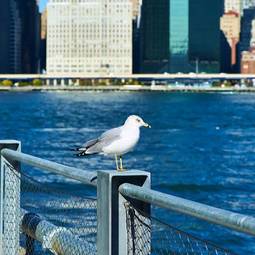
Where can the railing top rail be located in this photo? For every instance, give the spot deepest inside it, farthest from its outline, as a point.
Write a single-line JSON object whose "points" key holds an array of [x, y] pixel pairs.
{"points": [[235, 221], [66, 171]]}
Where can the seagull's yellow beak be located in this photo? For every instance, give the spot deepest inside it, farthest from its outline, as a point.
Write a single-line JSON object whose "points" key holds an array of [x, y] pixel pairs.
{"points": [[146, 125]]}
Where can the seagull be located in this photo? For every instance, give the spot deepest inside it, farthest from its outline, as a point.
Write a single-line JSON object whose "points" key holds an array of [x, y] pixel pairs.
{"points": [[115, 142]]}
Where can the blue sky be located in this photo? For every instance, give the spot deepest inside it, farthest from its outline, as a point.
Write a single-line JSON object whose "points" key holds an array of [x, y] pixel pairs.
{"points": [[42, 4]]}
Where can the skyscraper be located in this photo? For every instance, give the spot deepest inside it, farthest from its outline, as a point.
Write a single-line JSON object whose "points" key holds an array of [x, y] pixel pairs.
{"points": [[230, 25], [10, 39], [19, 40], [30, 52], [248, 62], [246, 29], [154, 36], [136, 6], [90, 37], [181, 36], [206, 41], [43, 40]]}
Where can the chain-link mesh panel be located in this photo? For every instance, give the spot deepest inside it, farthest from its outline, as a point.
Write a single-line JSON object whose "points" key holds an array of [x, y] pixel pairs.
{"points": [[69, 225], [11, 200], [149, 236]]}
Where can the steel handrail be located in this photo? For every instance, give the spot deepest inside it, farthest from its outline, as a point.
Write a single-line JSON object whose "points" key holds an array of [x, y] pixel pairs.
{"points": [[234, 221], [73, 173]]}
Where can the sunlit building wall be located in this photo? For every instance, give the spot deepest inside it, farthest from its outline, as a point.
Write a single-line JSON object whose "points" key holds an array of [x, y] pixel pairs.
{"points": [[248, 62], [136, 8], [234, 5], [230, 25], [90, 37], [43, 39]]}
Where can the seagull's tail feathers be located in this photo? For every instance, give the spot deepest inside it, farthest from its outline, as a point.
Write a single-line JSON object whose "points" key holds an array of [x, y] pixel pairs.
{"points": [[86, 149], [84, 153], [77, 149]]}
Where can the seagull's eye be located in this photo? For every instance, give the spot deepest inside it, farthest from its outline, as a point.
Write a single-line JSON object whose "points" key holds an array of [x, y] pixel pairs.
{"points": [[138, 120]]}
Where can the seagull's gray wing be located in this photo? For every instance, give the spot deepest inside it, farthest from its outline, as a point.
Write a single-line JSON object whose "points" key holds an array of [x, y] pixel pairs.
{"points": [[96, 146], [111, 133], [89, 144]]}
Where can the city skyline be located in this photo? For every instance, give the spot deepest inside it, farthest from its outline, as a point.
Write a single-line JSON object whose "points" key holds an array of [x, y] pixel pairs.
{"points": [[126, 36]]}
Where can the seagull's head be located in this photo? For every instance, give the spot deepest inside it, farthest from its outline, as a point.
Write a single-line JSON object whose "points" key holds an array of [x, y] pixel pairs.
{"points": [[135, 120]]}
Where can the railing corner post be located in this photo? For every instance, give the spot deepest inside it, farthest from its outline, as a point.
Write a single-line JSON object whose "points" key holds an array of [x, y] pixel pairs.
{"points": [[111, 214], [9, 201]]}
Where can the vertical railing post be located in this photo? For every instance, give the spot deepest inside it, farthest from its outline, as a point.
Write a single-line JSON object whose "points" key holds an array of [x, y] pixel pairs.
{"points": [[9, 201], [111, 215]]}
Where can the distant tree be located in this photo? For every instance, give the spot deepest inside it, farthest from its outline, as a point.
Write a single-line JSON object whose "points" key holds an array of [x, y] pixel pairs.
{"points": [[216, 84], [7, 83], [23, 84], [227, 84], [37, 82]]}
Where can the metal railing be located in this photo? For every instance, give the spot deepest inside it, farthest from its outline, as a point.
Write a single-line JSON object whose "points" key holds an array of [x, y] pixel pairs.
{"points": [[234, 221], [124, 222], [66, 171], [13, 218]]}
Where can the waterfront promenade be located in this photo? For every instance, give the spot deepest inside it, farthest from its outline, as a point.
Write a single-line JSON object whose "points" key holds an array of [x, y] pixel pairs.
{"points": [[165, 76], [131, 88]]}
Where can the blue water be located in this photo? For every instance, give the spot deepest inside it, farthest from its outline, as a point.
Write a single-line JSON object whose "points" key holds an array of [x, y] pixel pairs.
{"points": [[201, 146]]}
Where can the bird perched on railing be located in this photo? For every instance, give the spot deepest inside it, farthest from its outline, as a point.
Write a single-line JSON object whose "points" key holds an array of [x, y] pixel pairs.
{"points": [[115, 142]]}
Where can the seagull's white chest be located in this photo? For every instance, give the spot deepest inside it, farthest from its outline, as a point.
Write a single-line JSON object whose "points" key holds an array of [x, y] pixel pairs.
{"points": [[128, 140]]}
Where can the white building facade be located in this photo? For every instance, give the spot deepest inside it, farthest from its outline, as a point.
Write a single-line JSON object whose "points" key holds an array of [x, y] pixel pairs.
{"points": [[89, 37], [234, 5]]}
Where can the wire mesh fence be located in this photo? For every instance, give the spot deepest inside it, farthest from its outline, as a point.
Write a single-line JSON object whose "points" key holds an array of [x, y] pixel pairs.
{"points": [[66, 223], [69, 219], [150, 236]]}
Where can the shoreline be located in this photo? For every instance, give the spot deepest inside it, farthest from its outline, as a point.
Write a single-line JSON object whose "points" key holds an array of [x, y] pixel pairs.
{"points": [[128, 88]]}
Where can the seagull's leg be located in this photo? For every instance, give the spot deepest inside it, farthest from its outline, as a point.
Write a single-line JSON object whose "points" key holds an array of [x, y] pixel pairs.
{"points": [[117, 163], [121, 164]]}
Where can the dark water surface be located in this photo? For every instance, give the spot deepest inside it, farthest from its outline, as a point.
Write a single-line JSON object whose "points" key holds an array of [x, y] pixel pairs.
{"points": [[201, 146]]}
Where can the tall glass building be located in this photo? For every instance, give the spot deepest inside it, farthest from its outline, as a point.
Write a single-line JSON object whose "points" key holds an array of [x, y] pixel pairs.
{"points": [[246, 28], [205, 40], [10, 39], [181, 36], [19, 40], [154, 36]]}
